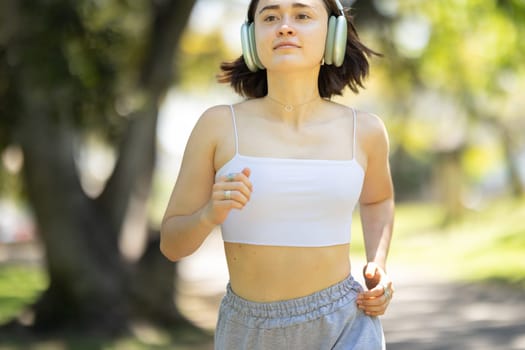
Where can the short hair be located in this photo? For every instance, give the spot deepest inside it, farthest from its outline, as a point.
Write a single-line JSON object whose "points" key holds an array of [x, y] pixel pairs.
{"points": [[332, 80]]}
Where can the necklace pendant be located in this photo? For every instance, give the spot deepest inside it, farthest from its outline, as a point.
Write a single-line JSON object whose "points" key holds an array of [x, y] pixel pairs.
{"points": [[288, 108]]}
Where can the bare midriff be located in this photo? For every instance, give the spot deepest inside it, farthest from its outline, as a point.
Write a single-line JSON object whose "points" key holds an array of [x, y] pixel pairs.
{"points": [[270, 273]]}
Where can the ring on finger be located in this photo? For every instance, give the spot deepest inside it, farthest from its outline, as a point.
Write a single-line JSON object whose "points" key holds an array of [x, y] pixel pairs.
{"points": [[227, 195], [387, 292], [230, 177]]}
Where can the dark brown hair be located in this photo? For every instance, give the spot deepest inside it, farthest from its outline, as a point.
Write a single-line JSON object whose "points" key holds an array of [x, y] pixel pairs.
{"points": [[332, 80]]}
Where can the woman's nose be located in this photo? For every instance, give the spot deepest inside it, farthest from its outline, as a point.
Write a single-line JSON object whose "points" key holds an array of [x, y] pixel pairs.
{"points": [[285, 29]]}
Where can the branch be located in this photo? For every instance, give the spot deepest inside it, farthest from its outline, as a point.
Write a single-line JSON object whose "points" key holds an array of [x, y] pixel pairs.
{"points": [[134, 169], [169, 23]]}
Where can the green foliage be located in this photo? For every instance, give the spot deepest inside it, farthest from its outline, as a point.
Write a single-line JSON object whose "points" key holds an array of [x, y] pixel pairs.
{"points": [[471, 42], [84, 55], [480, 159], [19, 286], [471, 63], [200, 57]]}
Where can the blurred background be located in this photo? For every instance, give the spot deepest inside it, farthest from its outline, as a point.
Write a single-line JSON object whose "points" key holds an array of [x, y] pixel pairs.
{"points": [[97, 100]]}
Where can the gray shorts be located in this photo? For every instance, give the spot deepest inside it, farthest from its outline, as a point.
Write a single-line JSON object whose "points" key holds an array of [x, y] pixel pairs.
{"points": [[328, 319]]}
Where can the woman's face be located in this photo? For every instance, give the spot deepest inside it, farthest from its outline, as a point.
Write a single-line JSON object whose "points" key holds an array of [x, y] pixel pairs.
{"points": [[290, 34]]}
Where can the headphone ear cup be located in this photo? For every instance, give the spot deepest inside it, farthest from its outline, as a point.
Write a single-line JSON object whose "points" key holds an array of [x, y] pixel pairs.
{"points": [[253, 47], [341, 34], [336, 36], [330, 39], [246, 49]]}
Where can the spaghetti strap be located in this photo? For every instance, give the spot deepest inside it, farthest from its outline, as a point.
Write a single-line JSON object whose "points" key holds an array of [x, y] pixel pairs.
{"points": [[355, 126], [235, 130]]}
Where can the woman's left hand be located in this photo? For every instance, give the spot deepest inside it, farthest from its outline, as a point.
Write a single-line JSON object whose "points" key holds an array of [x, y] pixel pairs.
{"points": [[376, 299]]}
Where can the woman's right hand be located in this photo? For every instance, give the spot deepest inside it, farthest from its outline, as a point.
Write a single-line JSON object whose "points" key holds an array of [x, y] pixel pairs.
{"points": [[230, 191]]}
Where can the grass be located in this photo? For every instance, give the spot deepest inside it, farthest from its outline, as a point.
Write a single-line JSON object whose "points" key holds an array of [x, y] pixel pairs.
{"points": [[82, 342], [486, 244], [19, 286]]}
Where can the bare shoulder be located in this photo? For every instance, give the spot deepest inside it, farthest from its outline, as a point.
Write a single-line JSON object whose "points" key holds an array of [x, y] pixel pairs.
{"points": [[214, 116], [212, 124], [371, 129], [370, 125]]}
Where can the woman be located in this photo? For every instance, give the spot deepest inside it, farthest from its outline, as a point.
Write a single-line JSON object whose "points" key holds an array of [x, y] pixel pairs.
{"points": [[281, 173]]}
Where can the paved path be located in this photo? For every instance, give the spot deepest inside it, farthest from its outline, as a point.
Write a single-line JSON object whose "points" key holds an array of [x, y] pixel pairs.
{"points": [[453, 316], [424, 315]]}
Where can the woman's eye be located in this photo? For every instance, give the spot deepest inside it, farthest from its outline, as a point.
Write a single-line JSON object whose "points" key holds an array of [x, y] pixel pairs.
{"points": [[270, 18], [303, 16]]}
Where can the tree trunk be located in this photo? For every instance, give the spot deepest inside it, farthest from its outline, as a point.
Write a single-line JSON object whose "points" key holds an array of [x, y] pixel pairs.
{"points": [[153, 269], [517, 187], [155, 303], [87, 275], [92, 286], [449, 178]]}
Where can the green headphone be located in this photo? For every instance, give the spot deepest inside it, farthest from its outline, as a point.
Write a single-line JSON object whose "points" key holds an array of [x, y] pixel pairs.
{"points": [[335, 42]]}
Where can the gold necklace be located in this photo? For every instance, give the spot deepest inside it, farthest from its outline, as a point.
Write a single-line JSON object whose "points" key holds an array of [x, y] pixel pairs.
{"points": [[288, 107]]}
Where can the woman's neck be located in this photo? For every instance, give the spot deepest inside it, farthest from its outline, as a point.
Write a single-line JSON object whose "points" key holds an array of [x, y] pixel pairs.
{"points": [[292, 95]]}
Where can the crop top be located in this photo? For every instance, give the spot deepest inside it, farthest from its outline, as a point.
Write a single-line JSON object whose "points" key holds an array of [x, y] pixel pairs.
{"points": [[295, 202]]}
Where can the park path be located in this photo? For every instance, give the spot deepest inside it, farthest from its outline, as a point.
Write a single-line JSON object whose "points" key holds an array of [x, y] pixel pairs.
{"points": [[426, 314]]}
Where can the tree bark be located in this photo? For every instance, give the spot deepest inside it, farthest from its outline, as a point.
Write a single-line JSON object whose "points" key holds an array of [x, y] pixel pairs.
{"points": [[517, 187], [92, 287], [138, 158], [87, 275], [449, 176]]}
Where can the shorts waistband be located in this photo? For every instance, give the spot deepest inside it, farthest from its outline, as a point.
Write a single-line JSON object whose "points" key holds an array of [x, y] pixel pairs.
{"points": [[316, 304]]}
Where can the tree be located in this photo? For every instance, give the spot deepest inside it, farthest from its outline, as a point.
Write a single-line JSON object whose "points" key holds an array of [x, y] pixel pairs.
{"points": [[69, 70], [453, 71]]}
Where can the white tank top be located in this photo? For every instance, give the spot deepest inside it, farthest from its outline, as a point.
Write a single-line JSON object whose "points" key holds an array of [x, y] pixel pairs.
{"points": [[308, 204]]}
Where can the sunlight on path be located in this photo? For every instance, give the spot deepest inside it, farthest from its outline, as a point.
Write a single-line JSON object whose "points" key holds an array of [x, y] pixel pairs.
{"points": [[455, 316]]}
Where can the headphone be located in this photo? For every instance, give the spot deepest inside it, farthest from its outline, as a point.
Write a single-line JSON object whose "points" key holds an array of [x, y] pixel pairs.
{"points": [[335, 47]]}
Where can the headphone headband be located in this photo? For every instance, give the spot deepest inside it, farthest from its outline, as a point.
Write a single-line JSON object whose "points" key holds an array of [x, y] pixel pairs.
{"points": [[340, 7], [338, 3]]}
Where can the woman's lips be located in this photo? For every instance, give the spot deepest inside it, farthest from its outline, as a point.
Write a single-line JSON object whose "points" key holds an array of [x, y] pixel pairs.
{"points": [[286, 45]]}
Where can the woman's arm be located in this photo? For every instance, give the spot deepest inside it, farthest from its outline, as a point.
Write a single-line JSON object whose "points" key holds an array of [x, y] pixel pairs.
{"points": [[377, 196], [377, 216], [377, 220], [197, 203]]}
